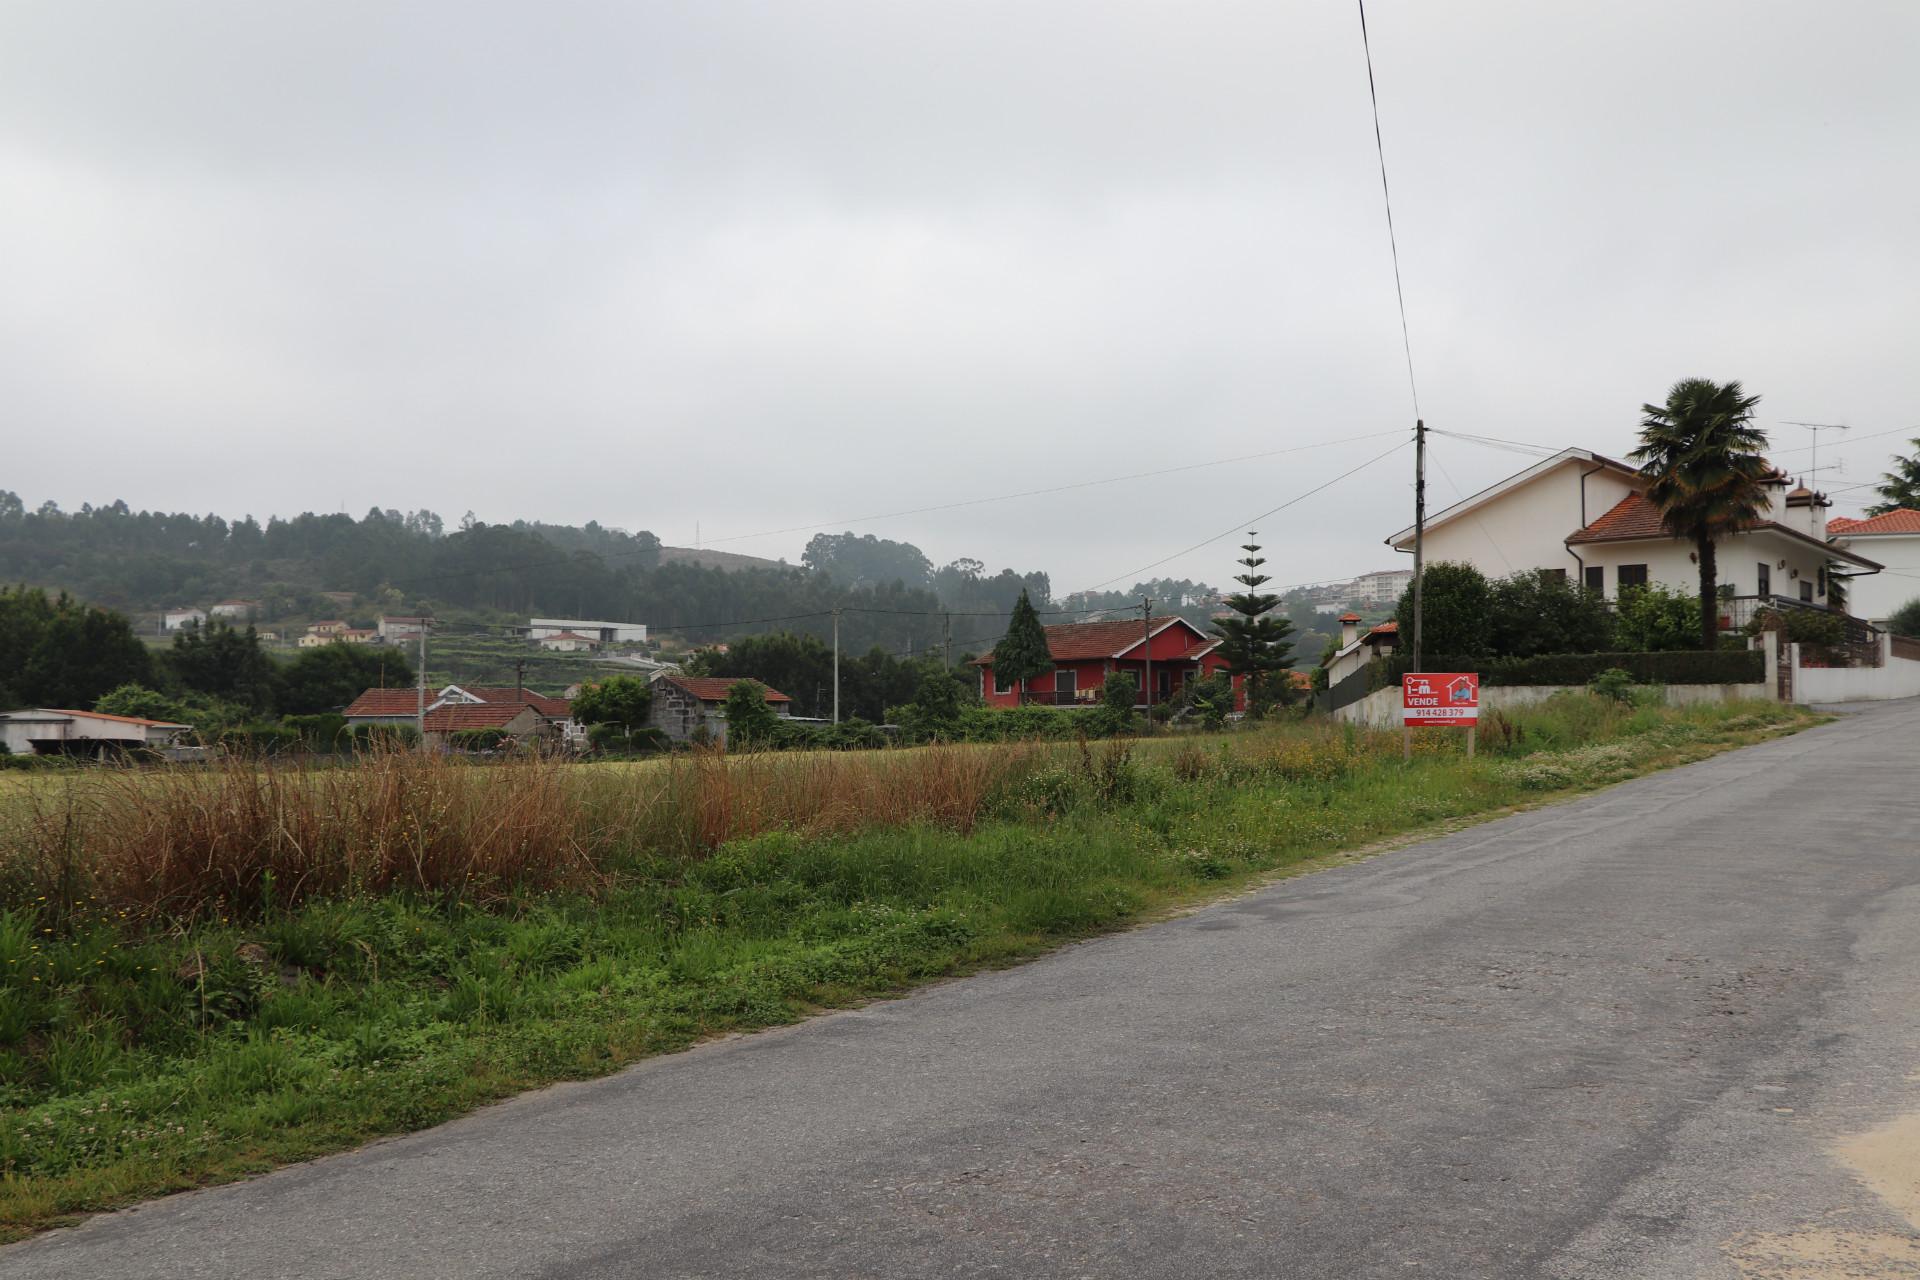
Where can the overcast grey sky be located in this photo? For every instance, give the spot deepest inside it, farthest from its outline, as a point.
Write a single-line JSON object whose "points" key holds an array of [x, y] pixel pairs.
{"points": [[761, 265]]}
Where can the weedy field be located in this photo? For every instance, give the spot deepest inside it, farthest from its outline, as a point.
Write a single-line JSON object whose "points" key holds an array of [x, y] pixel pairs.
{"points": [[207, 972]]}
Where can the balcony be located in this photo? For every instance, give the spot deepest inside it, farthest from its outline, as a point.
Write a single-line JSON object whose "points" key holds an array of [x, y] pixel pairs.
{"points": [[1859, 638]]}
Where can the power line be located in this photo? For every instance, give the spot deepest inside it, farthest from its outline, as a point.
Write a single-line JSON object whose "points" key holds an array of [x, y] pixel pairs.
{"points": [[1242, 525], [1052, 489], [1393, 242]]}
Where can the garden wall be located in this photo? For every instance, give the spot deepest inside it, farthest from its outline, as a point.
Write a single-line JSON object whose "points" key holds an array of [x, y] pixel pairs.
{"points": [[1381, 709], [1895, 677]]}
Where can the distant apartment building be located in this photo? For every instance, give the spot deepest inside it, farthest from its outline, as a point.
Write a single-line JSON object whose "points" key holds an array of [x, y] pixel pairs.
{"points": [[1383, 587], [394, 629]]}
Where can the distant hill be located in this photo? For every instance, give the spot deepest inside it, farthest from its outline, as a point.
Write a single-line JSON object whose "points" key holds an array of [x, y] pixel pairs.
{"points": [[707, 559]]}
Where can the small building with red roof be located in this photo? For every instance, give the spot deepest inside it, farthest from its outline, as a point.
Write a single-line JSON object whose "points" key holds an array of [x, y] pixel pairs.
{"points": [[54, 731], [693, 708]]}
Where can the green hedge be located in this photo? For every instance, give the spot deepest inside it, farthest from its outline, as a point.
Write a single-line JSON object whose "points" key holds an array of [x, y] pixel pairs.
{"points": [[1684, 666]]}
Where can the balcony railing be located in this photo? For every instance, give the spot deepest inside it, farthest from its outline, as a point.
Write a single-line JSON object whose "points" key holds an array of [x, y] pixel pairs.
{"points": [[1859, 637]]}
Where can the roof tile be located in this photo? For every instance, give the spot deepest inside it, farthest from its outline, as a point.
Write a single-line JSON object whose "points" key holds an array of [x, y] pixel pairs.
{"points": [[1899, 520]]}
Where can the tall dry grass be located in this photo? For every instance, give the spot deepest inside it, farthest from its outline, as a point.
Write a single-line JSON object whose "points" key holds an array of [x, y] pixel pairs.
{"points": [[250, 835]]}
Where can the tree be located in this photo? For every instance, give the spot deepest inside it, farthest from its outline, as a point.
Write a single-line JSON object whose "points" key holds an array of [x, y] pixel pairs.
{"points": [[1536, 612], [1022, 653], [863, 560], [750, 721], [1900, 487], [618, 700], [56, 652], [1701, 453], [1457, 612], [333, 675], [1257, 639], [226, 663], [1906, 619]]}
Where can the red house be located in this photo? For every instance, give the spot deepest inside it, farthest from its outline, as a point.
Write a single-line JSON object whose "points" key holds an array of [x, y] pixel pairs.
{"points": [[1086, 653]]}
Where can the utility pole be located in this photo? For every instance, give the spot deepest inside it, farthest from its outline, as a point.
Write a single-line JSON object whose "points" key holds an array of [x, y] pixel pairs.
{"points": [[947, 641], [836, 666], [1419, 529], [1146, 651], [420, 690], [519, 679]]}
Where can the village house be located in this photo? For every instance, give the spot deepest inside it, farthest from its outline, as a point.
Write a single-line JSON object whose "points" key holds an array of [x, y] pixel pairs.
{"points": [[553, 716], [520, 721], [1894, 540], [235, 609], [175, 619], [1358, 647], [568, 642], [1085, 653], [49, 731], [394, 629], [602, 632], [693, 708], [1583, 515]]}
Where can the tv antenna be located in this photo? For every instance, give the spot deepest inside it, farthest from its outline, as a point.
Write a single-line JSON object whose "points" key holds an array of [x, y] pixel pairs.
{"points": [[1816, 428]]}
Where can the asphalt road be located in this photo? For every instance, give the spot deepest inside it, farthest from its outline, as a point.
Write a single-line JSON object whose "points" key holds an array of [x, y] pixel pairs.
{"points": [[1635, 1035]]}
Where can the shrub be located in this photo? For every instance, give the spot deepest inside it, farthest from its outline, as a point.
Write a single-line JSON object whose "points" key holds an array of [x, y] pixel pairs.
{"points": [[1613, 683], [1535, 612], [479, 739], [1654, 619], [1744, 666], [1906, 619]]}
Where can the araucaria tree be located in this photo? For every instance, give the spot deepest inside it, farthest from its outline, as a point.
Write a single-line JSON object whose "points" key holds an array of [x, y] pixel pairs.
{"points": [[1701, 454], [1900, 487], [1022, 653], [1255, 641]]}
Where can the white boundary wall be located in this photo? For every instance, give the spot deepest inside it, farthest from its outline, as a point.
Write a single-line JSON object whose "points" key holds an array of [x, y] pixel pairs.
{"points": [[1893, 678], [1381, 708]]}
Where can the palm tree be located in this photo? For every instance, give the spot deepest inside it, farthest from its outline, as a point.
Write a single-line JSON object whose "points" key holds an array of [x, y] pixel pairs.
{"points": [[1701, 455]]}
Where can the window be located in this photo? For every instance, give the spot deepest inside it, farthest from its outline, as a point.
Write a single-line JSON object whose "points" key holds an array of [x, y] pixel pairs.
{"points": [[1597, 579], [1766, 579], [1822, 579], [1806, 590], [1630, 575], [1000, 686]]}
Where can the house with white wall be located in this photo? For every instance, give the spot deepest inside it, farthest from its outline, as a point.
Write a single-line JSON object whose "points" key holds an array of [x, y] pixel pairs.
{"points": [[231, 609], [1894, 540], [175, 619], [1359, 647], [1585, 515], [50, 731]]}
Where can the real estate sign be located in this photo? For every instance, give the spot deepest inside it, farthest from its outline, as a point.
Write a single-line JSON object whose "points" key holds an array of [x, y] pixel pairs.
{"points": [[1440, 697]]}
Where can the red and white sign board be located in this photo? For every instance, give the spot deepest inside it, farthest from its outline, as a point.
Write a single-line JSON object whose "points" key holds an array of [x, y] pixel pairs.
{"points": [[1440, 697]]}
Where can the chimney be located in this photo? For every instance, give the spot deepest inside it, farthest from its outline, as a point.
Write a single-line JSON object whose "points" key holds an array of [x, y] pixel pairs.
{"points": [[1349, 628]]}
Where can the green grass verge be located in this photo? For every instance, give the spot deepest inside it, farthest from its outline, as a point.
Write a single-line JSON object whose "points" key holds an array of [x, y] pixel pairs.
{"points": [[142, 1061]]}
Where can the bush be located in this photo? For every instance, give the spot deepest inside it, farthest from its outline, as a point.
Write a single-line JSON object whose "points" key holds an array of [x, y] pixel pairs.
{"points": [[1654, 619], [1535, 612], [1906, 619], [480, 739], [383, 737], [1613, 683], [325, 731], [259, 739]]}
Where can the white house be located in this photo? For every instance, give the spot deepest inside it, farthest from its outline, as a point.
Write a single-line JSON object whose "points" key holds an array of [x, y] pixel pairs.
{"points": [[1358, 648], [175, 619], [568, 642], [51, 731], [235, 609], [604, 632], [1586, 515], [1894, 540], [393, 628]]}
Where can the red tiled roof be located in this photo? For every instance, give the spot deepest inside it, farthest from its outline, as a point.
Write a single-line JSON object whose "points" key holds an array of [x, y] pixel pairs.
{"points": [[714, 688], [1899, 520], [553, 708], [386, 702], [1200, 650], [1631, 517], [1386, 629], [470, 715], [1349, 617]]}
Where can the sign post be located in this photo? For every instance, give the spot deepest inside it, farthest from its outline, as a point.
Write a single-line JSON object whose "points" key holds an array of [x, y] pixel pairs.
{"points": [[1449, 698]]}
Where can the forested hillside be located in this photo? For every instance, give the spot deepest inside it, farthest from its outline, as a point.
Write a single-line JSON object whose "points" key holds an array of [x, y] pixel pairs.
{"points": [[140, 562]]}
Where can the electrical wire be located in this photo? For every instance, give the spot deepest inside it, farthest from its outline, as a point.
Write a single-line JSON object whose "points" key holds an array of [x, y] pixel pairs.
{"points": [[1393, 242]]}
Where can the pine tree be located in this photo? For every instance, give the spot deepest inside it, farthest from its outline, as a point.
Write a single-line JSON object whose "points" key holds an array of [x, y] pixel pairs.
{"points": [[1901, 486], [1257, 641], [1022, 653]]}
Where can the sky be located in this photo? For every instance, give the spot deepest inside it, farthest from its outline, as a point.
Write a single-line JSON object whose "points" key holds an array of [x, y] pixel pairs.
{"points": [[721, 269]]}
